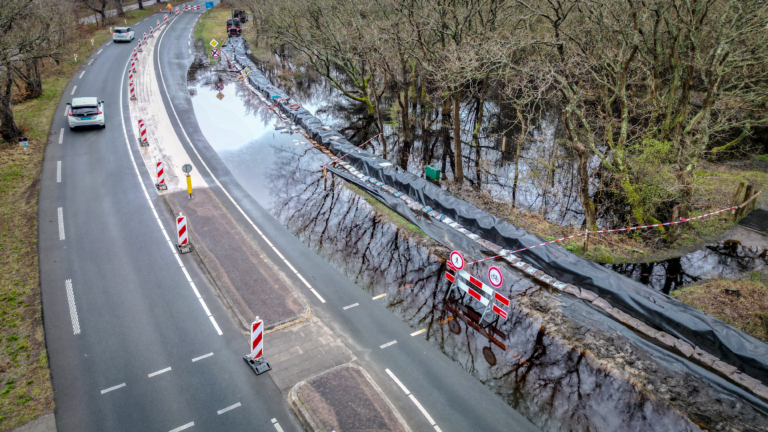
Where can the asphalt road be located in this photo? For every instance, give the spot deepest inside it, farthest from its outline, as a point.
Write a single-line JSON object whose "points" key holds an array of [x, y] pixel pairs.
{"points": [[117, 305], [453, 399]]}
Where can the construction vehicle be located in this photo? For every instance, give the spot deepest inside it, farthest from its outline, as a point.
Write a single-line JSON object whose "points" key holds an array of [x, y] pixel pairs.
{"points": [[241, 15], [233, 27]]}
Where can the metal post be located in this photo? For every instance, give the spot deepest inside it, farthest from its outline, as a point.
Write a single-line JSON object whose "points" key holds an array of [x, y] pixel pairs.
{"points": [[189, 186]]}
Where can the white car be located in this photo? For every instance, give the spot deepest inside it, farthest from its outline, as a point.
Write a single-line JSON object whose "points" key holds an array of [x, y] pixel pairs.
{"points": [[122, 34], [86, 111]]}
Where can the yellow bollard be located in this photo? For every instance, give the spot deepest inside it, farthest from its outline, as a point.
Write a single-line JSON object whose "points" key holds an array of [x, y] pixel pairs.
{"points": [[189, 185]]}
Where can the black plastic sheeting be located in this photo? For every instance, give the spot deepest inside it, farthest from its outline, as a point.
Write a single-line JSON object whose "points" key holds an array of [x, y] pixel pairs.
{"points": [[729, 344]]}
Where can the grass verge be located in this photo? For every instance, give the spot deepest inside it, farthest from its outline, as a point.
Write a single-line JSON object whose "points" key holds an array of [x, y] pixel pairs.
{"points": [[742, 303], [212, 25], [25, 381]]}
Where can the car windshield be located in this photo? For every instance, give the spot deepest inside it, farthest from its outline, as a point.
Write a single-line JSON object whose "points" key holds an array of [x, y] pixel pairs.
{"points": [[119, 31], [85, 110]]}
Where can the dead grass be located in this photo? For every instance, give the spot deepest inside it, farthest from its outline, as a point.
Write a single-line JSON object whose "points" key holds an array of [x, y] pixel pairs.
{"points": [[212, 25], [25, 382], [744, 307]]}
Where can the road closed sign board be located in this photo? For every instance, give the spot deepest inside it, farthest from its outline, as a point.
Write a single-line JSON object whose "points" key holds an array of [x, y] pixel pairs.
{"points": [[214, 53], [495, 277], [214, 43], [456, 260]]}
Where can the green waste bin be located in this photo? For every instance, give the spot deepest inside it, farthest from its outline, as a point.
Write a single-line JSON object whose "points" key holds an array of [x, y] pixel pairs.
{"points": [[432, 173]]}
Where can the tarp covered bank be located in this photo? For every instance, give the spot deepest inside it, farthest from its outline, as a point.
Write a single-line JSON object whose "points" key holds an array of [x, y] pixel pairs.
{"points": [[669, 315]]}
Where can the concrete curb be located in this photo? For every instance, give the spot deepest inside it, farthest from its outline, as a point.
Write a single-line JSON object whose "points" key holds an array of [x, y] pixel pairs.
{"points": [[306, 418], [228, 302]]}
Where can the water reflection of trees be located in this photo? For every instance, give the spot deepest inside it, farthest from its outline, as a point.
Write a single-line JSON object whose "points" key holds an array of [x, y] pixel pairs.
{"points": [[555, 386]]}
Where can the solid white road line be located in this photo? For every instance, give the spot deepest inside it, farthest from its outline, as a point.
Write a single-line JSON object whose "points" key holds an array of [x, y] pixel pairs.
{"points": [[423, 411], [58, 171], [202, 357], [437, 429], [113, 388], [149, 200], [61, 223], [158, 372], [216, 180], [418, 332], [351, 306], [207, 312], [379, 296], [61, 133], [216, 326], [100, 51], [72, 307], [81, 74], [388, 344], [229, 408], [73, 89], [397, 381], [181, 428]]}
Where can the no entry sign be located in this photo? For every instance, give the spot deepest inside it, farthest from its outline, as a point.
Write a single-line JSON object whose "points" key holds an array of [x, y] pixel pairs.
{"points": [[215, 53], [457, 260], [495, 277]]}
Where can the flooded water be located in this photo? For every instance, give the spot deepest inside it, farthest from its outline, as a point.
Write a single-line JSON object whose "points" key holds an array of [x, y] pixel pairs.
{"points": [[558, 388], [547, 180], [728, 259]]}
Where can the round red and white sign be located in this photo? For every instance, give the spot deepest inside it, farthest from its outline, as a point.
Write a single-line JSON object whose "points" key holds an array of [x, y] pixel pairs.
{"points": [[495, 277], [457, 260]]}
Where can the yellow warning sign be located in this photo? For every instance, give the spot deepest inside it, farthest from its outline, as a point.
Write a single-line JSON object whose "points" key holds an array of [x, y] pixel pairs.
{"points": [[220, 96], [214, 43]]}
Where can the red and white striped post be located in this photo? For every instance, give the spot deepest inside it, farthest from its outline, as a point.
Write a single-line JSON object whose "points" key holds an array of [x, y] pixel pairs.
{"points": [[143, 134], [256, 358], [183, 244], [130, 74], [145, 38], [158, 24], [133, 66], [161, 177], [177, 10], [139, 47], [165, 20], [134, 53], [132, 90], [151, 32]]}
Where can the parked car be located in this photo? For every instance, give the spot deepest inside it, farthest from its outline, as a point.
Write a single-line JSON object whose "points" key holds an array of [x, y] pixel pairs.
{"points": [[122, 34], [86, 111]]}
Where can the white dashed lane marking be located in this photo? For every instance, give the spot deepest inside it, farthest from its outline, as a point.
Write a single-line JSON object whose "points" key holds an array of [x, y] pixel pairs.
{"points": [[61, 133], [159, 372], [351, 306], [229, 408], [113, 388], [61, 223], [277, 425], [72, 307], [58, 171], [202, 357], [181, 428], [100, 51], [81, 74], [73, 90], [388, 344]]}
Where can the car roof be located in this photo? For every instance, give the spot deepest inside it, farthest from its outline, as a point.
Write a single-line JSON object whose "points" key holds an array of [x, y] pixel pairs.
{"points": [[121, 28], [84, 101]]}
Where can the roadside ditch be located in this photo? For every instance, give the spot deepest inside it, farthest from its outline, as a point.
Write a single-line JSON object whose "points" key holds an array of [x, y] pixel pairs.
{"points": [[565, 367]]}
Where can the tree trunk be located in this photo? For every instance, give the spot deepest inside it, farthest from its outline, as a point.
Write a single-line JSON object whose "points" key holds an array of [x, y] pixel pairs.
{"points": [[458, 158], [33, 82], [445, 128], [380, 123], [8, 129], [404, 102], [582, 156], [523, 132], [119, 5], [481, 108], [141, 5]]}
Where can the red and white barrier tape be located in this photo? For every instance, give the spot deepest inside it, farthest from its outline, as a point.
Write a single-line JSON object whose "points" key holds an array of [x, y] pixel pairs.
{"points": [[682, 220]]}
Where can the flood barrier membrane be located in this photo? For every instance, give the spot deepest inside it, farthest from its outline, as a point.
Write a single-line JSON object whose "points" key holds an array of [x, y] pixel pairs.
{"points": [[729, 344]]}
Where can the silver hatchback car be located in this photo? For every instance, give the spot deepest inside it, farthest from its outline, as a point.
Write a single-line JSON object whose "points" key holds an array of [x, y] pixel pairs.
{"points": [[86, 111], [122, 34]]}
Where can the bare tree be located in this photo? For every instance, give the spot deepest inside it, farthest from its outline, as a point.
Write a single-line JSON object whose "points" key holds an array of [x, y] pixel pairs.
{"points": [[98, 6]]}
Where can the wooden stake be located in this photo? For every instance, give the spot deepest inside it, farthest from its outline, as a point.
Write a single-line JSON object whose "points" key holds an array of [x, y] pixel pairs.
{"points": [[586, 241], [736, 199], [503, 144]]}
